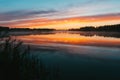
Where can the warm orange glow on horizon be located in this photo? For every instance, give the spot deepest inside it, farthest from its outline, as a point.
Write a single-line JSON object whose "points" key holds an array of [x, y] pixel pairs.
{"points": [[66, 23]]}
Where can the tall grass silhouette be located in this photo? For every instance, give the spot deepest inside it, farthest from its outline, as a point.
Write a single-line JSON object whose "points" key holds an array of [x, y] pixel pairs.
{"points": [[17, 63]]}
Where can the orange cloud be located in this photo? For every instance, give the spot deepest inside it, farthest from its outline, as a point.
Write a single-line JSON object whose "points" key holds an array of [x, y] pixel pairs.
{"points": [[66, 23]]}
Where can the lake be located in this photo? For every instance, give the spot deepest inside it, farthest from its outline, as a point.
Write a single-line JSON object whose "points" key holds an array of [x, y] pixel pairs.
{"points": [[79, 55]]}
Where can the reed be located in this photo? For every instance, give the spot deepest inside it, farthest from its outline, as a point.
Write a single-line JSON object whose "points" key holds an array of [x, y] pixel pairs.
{"points": [[17, 63]]}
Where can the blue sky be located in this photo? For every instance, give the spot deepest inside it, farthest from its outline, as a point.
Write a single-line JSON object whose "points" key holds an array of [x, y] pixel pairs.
{"points": [[36, 4], [12, 10], [13, 5]]}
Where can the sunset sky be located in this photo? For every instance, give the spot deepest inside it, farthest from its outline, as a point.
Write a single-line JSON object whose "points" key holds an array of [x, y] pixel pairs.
{"points": [[58, 14]]}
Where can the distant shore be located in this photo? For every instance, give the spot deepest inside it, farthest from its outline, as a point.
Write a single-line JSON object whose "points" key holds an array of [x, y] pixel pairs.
{"points": [[105, 28]]}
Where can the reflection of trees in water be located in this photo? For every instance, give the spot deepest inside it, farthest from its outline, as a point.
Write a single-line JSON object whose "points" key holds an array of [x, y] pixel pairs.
{"points": [[4, 34], [82, 33], [90, 34], [30, 33], [104, 34]]}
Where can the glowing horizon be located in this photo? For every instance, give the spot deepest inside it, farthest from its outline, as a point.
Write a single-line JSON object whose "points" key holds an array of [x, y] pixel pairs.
{"points": [[71, 14]]}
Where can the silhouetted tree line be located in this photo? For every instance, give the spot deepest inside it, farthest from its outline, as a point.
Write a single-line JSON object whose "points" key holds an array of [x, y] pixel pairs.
{"points": [[2, 28], [88, 28], [20, 29], [4, 31], [108, 28], [28, 29]]}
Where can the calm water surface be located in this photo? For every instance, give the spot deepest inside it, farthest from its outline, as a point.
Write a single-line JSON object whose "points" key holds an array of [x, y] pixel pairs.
{"points": [[73, 38], [80, 55], [100, 44]]}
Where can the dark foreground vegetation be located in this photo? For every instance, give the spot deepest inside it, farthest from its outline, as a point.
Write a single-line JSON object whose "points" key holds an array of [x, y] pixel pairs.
{"points": [[105, 28], [17, 63]]}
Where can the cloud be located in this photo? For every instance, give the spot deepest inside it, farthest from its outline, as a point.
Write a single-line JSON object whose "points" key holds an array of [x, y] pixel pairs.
{"points": [[22, 14], [77, 21], [86, 8], [88, 11]]}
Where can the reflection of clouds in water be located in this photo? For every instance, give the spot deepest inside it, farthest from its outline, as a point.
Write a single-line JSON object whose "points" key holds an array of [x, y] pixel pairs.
{"points": [[76, 38], [86, 34], [84, 51], [80, 60], [76, 59]]}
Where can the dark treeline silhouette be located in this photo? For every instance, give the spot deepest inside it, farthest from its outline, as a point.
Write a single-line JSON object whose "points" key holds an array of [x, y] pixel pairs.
{"points": [[89, 28], [108, 28], [2, 28], [28, 29], [4, 31], [114, 28]]}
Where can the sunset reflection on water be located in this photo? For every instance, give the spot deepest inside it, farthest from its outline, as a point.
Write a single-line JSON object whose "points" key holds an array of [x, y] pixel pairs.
{"points": [[71, 38]]}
